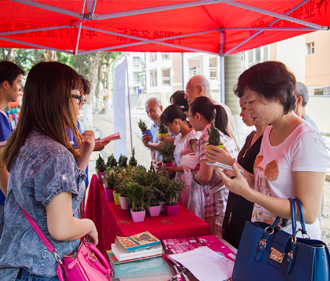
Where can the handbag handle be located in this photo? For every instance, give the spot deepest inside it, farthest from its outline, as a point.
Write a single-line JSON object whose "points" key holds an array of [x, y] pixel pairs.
{"points": [[301, 216], [99, 256], [293, 216], [49, 246]]}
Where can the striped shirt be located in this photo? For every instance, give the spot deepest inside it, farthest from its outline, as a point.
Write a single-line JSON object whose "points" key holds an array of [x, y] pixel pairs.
{"points": [[215, 204]]}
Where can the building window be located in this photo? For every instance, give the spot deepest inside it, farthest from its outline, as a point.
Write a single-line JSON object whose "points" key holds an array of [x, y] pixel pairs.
{"points": [[310, 48], [166, 79], [194, 70], [136, 61], [256, 55], [165, 56], [153, 79], [153, 57]]}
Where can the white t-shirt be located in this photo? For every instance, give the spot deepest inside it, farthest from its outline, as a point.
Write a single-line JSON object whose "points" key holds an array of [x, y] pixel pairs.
{"points": [[302, 150]]}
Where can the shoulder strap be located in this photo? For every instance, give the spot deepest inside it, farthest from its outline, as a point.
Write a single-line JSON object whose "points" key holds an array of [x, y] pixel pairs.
{"points": [[49, 246]]}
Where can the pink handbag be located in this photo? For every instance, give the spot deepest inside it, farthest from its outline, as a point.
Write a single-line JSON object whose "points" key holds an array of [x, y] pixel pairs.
{"points": [[86, 264]]}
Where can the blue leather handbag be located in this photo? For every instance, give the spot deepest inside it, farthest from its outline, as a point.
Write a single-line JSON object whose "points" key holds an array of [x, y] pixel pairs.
{"points": [[268, 253]]}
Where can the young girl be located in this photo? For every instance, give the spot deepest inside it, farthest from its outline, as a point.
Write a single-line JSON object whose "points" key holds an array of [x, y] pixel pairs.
{"points": [[201, 113], [44, 178], [186, 137]]}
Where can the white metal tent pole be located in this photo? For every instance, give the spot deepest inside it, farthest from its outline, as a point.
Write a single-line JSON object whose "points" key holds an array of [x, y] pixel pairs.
{"points": [[222, 66]]}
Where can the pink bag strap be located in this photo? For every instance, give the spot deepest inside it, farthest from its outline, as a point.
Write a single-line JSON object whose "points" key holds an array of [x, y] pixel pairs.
{"points": [[49, 246]]}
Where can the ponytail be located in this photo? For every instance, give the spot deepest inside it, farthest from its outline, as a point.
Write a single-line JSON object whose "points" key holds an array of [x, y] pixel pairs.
{"points": [[211, 112]]}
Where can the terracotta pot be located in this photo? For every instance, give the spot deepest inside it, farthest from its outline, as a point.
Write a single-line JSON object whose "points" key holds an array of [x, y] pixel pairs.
{"points": [[171, 210], [116, 197], [100, 176], [109, 194], [153, 211], [138, 216], [123, 202]]}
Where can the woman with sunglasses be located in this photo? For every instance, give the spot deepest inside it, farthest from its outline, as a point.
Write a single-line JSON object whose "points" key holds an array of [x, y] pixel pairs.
{"points": [[44, 177]]}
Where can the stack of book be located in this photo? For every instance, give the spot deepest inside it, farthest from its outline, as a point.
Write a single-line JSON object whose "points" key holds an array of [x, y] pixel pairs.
{"points": [[136, 247]]}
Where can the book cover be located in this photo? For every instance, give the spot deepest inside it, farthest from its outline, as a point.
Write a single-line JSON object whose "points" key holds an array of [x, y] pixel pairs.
{"points": [[122, 256], [137, 242]]}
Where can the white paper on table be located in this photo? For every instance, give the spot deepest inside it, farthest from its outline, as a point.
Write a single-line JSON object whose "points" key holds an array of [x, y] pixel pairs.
{"points": [[205, 264]]}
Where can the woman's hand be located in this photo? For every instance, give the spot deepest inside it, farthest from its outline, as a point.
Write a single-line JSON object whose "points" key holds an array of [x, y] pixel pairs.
{"points": [[158, 165], [146, 139], [168, 140], [88, 142], [99, 145], [94, 235], [238, 185], [217, 154]]}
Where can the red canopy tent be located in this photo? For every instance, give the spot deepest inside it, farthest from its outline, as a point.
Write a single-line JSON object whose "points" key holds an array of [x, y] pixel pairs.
{"points": [[219, 27]]}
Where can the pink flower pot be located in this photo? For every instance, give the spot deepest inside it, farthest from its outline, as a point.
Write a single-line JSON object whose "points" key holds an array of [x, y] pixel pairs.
{"points": [[123, 203], [138, 216], [100, 176], [171, 210], [153, 211], [169, 164], [109, 194]]}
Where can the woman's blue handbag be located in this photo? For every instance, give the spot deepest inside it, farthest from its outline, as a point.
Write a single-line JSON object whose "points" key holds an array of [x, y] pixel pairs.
{"points": [[268, 253]]}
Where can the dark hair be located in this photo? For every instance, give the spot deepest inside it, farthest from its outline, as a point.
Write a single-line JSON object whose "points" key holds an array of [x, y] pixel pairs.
{"points": [[47, 107], [9, 72], [85, 84], [205, 107], [172, 112], [272, 80], [179, 99]]}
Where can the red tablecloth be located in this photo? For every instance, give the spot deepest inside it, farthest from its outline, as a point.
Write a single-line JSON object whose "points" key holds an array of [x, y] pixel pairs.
{"points": [[112, 221]]}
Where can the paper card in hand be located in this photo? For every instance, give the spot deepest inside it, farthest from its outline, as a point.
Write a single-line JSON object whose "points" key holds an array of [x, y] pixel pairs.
{"points": [[115, 136]]}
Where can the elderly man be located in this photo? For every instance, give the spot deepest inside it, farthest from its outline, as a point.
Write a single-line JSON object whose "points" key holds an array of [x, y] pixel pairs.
{"points": [[197, 86], [302, 97], [153, 109]]}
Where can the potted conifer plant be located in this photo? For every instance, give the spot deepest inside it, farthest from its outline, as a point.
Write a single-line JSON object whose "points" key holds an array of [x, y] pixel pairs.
{"points": [[116, 192], [144, 129], [162, 131], [112, 162], [214, 137], [100, 168], [136, 199], [153, 195], [171, 194], [132, 161], [110, 180], [122, 161], [166, 151]]}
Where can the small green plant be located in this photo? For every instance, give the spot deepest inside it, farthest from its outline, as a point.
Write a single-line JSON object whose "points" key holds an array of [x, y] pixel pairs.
{"points": [[112, 162], [142, 126], [172, 190], [132, 160], [214, 135], [100, 164], [122, 161], [162, 128], [166, 150], [135, 194]]}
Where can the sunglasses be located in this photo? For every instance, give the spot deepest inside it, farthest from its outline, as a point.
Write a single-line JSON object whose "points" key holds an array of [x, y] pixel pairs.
{"points": [[79, 98]]}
